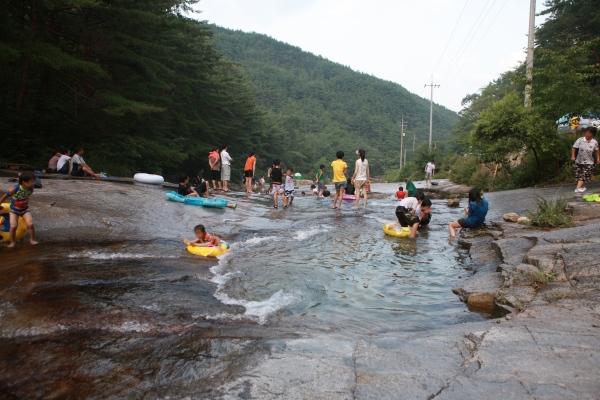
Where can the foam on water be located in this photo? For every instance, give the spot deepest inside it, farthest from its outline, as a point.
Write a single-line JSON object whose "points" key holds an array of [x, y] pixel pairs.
{"points": [[104, 255], [303, 235], [258, 310]]}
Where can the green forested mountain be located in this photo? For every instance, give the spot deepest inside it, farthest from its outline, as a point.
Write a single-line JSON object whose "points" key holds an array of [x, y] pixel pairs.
{"points": [[315, 106], [142, 87]]}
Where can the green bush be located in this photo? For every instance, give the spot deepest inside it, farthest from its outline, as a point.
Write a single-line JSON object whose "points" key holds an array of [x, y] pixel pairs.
{"points": [[550, 214]]}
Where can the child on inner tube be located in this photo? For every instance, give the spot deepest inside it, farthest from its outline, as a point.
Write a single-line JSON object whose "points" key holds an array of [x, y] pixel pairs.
{"points": [[203, 239], [414, 213]]}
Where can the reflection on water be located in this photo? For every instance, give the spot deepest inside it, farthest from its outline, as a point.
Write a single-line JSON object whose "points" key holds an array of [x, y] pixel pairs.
{"points": [[141, 316]]}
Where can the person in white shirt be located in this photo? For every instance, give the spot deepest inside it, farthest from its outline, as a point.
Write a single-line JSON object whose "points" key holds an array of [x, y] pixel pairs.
{"points": [[585, 154], [225, 168], [79, 167], [361, 177], [64, 163], [414, 213], [429, 172]]}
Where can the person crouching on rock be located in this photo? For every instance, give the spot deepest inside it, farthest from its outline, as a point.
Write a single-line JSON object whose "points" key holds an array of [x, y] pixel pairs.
{"points": [[414, 213], [475, 214]]}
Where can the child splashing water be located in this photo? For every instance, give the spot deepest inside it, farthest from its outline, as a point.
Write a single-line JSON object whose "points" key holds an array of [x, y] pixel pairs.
{"points": [[203, 239], [19, 207]]}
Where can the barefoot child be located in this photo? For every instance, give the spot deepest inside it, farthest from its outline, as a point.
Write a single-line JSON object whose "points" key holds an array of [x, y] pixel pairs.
{"points": [[475, 214], [276, 181], [340, 168], [19, 207], [288, 188], [203, 239]]}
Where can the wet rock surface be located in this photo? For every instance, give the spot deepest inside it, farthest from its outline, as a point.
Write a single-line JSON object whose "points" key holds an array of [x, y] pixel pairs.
{"points": [[547, 347]]}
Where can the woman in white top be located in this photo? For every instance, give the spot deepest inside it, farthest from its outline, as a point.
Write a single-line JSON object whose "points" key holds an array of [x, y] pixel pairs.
{"points": [[225, 168], [361, 177]]}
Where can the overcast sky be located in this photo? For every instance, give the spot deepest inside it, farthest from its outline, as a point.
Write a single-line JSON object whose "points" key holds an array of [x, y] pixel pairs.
{"points": [[464, 44]]}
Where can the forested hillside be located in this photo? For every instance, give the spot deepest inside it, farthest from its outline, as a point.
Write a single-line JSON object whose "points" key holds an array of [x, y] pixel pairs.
{"points": [[142, 87], [139, 85], [316, 106], [519, 146]]}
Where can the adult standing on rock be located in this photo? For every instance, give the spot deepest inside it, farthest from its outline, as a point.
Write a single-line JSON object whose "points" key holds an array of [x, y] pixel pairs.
{"points": [[361, 176], [214, 162], [429, 172], [585, 154], [225, 168]]}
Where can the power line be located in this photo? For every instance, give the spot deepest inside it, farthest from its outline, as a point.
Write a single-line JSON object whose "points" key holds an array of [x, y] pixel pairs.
{"points": [[451, 36], [470, 35]]}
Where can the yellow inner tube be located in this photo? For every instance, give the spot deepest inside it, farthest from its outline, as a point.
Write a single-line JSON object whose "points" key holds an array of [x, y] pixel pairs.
{"points": [[396, 231], [212, 251], [5, 224]]}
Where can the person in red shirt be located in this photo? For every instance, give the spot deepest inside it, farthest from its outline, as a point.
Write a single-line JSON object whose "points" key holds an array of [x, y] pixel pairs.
{"points": [[249, 170], [400, 194]]}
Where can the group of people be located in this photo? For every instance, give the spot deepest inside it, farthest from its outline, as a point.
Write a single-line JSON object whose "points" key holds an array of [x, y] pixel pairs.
{"points": [[62, 162], [219, 163]]}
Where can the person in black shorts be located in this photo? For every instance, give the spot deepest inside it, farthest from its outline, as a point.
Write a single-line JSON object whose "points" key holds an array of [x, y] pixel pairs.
{"points": [[414, 213]]}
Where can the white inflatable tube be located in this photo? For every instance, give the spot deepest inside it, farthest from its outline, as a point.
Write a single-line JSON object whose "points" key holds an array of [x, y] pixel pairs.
{"points": [[149, 178]]}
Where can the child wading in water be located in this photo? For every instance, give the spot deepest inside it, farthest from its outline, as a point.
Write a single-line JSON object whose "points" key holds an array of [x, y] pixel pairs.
{"points": [[288, 188], [340, 168], [203, 239], [276, 181], [19, 207]]}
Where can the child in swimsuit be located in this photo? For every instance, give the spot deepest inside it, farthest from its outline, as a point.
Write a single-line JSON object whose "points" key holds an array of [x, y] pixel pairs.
{"points": [[288, 188], [203, 239], [19, 207]]}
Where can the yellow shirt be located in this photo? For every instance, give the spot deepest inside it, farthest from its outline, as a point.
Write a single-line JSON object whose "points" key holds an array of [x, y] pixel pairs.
{"points": [[339, 166]]}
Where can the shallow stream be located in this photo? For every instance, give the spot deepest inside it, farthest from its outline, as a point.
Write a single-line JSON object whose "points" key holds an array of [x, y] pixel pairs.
{"points": [[130, 313]]}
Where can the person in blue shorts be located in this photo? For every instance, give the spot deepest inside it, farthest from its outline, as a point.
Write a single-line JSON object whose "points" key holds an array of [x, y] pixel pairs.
{"points": [[475, 214]]}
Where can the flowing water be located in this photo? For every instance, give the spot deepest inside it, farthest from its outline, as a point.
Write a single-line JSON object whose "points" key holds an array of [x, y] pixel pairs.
{"points": [[121, 310]]}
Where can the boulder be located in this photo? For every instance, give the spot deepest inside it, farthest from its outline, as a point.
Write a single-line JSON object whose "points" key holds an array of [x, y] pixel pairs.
{"points": [[511, 217], [482, 302], [453, 203], [523, 221]]}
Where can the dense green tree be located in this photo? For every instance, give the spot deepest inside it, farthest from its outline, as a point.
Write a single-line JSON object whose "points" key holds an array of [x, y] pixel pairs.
{"points": [[137, 83], [494, 126]]}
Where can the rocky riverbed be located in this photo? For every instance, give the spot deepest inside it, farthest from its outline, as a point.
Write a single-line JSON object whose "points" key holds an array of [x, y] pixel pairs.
{"points": [[110, 306]]}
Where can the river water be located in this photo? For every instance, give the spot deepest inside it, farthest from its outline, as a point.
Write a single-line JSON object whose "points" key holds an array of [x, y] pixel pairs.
{"points": [[111, 304]]}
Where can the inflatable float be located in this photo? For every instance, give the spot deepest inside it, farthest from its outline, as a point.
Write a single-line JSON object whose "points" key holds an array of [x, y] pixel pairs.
{"points": [[349, 198], [5, 224], [208, 251], [396, 231], [150, 179], [213, 202], [592, 197]]}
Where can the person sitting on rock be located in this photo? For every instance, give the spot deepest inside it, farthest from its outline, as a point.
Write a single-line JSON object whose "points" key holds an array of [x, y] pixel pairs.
{"points": [[475, 213]]}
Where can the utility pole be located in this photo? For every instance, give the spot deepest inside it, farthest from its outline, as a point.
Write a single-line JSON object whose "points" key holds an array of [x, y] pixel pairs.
{"points": [[402, 150], [414, 141], [529, 62], [431, 86]]}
